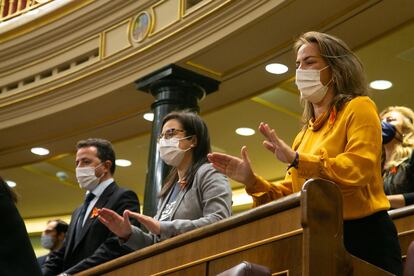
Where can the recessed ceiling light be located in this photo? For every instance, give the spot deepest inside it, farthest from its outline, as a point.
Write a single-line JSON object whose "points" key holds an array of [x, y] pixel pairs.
{"points": [[245, 131], [40, 151], [123, 162], [149, 116], [11, 184], [380, 84], [276, 68]]}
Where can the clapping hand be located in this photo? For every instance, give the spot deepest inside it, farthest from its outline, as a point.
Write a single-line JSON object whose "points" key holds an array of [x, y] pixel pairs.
{"points": [[237, 169], [120, 226], [276, 145], [150, 223]]}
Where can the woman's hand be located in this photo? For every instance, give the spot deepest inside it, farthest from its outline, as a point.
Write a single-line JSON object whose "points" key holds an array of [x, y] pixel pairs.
{"points": [[237, 169], [118, 225], [150, 223], [276, 145]]}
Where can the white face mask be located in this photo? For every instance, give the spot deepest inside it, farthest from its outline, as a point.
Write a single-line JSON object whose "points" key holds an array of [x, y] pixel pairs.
{"points": [[170, 151], [310, 85], [47, 241], [86, 177]]}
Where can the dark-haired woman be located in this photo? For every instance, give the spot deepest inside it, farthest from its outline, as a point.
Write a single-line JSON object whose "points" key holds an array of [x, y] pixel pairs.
{"points": [[16, 252], [194, 194]]}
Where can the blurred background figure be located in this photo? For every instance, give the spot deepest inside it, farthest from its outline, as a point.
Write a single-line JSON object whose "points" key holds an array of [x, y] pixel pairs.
{"points": [[52, 238], [398, 164], [16, 253]]}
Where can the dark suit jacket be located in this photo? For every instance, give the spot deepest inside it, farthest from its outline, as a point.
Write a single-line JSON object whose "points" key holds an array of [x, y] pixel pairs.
{"points": [[97, 244], [42, 259], [16, 253]]}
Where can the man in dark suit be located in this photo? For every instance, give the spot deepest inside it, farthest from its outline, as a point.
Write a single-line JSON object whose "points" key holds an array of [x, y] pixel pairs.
{"points": [[88, 242], [52, 238]]}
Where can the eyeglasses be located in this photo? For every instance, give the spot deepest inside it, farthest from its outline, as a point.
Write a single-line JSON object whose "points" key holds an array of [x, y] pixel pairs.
{"points": [[169, 133]]}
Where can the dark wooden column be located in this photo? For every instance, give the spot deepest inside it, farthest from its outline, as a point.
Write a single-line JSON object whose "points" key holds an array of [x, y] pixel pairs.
{"points": [[174, 88]]}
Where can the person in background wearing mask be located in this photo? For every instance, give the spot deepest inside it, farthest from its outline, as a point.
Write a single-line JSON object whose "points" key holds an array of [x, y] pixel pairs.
{"points": [[398, 166], [17, 257], [194, 193], [88, 242], [52, 238], [340, 141]]}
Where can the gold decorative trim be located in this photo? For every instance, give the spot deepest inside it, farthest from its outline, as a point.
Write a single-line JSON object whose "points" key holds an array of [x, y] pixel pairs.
{"points": [[281, 48], [54, 54], [185, 12], [182, 8], [266, 55], [132, 23], [63, 168], [152, 33], [185, 26], [103, 44], [35, 171], [276, 107], [121, 59], [286, 87], [232, 251], [30, 5], [59, 156], [49, 75], [248, 97], [203, 68], [130, 29], [39, 22], [139, 51]]}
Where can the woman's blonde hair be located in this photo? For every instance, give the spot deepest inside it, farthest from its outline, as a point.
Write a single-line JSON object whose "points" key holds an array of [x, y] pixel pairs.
{"points": [[403, 149], [347, 71]]}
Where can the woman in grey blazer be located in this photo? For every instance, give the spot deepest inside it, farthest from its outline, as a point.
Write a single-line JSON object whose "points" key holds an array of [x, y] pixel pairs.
{"points": [[194, 194]]}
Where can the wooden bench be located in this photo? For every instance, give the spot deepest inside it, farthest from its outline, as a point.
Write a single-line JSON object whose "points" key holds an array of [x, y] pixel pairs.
{"points": [[300, 234]]}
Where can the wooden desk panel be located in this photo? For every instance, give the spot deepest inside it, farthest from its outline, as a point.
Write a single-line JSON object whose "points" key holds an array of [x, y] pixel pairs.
{"points": [[280, 255], [301, 234]]}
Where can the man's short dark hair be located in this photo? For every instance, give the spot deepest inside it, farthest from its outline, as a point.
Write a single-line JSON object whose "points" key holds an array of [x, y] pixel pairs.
{"points": [[104, 148], [61, 226]]}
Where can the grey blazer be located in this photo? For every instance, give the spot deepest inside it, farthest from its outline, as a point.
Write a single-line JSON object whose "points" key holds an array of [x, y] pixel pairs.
{"points": [[207, 201]]}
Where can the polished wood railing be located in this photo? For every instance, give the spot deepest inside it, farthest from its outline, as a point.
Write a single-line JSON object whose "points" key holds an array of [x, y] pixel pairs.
{"points": [[13, 8], [300, 234]]}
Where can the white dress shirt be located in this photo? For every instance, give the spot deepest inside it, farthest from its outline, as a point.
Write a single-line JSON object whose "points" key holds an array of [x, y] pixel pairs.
{"points": [[97, 192]]}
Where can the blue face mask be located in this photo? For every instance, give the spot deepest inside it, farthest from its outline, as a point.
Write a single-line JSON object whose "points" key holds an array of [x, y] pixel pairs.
{"points": [[388, 132]]}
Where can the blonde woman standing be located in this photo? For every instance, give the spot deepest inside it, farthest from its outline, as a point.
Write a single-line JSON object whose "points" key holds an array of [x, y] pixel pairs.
{"points": [[398, 168]]}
